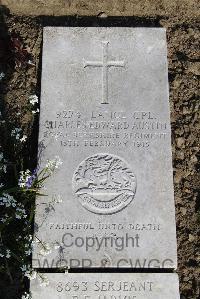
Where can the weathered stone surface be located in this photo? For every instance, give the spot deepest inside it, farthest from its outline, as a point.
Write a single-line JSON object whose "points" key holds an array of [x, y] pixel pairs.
{"points": [[108, 286], [105, 112]]}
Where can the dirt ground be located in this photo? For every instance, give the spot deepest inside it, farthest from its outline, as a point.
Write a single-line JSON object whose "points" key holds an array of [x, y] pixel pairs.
{"points": [[23, 79], [140, 8]]}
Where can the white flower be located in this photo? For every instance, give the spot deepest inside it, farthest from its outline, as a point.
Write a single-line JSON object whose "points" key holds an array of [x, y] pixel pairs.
{"points": [[33, 99], [31, 274], [30, 237], [2, 75], [30, 62], [16, 133], [36, 111], [8, 253], [24, 138], [7, 200], [43, 280], [24, 178], [53, 164], [46, 249], [28, 252], [23, 268], [26, 296], [3, 220], [56, 245], [1, 255], [1, 156], [35, 241], [4, 168], [20, 213]]}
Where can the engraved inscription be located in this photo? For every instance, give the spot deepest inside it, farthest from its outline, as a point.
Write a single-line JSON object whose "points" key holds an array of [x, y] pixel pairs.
{"points": [[99, 286], [104, 64], [104, 184], [105, 129]]}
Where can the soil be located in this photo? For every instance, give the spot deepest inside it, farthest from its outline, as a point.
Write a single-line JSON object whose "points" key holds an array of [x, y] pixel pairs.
{"points": [[23, 78], [140, 8]]}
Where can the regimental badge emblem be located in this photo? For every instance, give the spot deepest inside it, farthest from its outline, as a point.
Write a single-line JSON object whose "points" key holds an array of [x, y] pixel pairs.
{"points": [[104, 184]]}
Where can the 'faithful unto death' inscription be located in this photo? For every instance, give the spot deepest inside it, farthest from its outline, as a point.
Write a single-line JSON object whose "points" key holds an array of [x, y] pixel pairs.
{"points": [[105, 113], [107, 286]]}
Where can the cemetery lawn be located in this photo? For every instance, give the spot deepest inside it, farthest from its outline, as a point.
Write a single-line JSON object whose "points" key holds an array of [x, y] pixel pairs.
{"points": [[20, 76]]}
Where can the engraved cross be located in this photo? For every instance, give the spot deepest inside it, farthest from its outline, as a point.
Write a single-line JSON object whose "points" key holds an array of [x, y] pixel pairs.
{"points": [[104, 64]]}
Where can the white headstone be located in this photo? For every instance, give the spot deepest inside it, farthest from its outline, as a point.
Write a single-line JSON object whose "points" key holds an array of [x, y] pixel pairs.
{"points": [[107, 286], [105, 113]]}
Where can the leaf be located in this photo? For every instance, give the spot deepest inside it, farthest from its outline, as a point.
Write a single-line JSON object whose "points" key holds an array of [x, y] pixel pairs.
{"points": [[40, 194]]}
